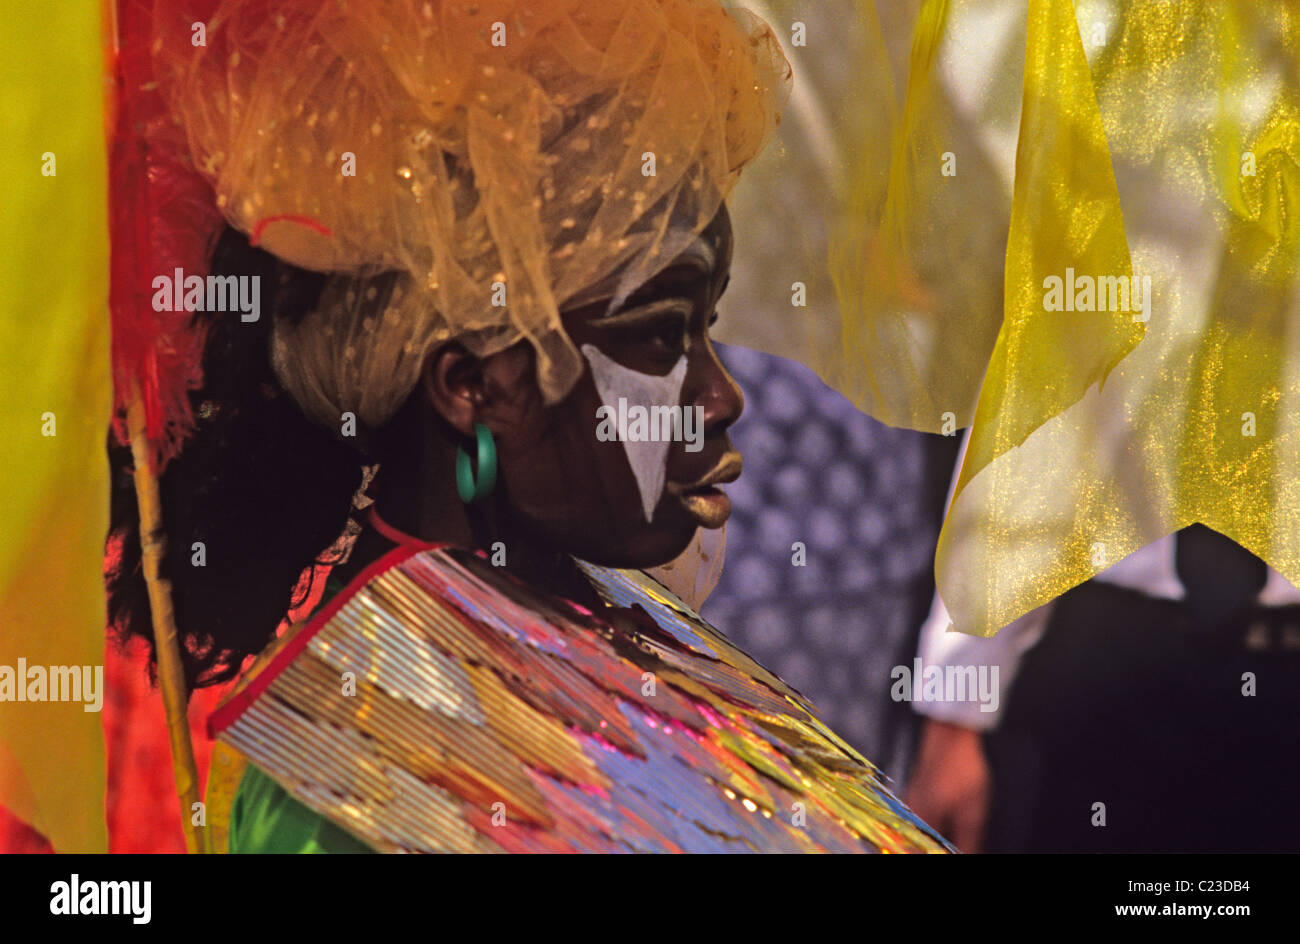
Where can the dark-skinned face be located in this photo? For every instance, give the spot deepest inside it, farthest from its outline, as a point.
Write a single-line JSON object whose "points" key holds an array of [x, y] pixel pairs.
{"points": [[567, 488]]}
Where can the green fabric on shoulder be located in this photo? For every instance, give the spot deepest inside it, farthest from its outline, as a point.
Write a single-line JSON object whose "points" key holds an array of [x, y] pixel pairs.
{"points": [[264, 818]]}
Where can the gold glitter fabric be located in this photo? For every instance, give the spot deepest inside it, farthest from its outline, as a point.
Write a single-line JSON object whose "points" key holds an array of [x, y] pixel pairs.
{"points": [[1141, 155], [1200, 420], [485, 718], [506, 158]]}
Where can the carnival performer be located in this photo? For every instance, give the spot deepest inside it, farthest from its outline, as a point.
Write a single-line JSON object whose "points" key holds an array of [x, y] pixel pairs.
{"points": [[465, 397]]}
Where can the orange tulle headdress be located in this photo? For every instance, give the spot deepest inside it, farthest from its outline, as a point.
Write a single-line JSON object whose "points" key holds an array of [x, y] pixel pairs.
{"points": [[504, 159]]}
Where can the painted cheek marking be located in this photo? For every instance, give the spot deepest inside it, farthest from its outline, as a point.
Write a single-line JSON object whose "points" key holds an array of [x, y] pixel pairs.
{"points": [[614, 382]]}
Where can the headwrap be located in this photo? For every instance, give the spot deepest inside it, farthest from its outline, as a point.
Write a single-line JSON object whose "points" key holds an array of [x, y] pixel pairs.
{"points": [[504, 158]]}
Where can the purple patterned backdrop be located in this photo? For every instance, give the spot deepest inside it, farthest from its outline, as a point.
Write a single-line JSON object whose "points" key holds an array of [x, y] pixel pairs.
{"points": [[864, 499]]}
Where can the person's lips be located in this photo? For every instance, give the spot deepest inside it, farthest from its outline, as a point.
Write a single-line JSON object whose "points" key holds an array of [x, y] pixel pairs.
{"points": [[702, 500]]}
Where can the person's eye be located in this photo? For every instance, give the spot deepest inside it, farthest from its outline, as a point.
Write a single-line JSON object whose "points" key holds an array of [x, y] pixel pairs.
{"points": [[659, 327], [669, 336]]}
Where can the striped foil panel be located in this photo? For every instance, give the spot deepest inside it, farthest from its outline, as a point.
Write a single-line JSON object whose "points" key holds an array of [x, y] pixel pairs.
{"points": [[431, 710]]}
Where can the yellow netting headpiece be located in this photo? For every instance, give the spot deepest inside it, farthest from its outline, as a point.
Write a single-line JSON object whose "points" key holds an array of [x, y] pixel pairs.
{"points": [[506, 157]]}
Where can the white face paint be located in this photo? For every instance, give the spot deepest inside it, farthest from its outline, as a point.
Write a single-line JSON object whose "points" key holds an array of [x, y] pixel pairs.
{"points": [[649, 460], [699, 248]]}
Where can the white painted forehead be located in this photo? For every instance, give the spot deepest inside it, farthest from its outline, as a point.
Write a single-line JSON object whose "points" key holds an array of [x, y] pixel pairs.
{"points": [[698, 248]]}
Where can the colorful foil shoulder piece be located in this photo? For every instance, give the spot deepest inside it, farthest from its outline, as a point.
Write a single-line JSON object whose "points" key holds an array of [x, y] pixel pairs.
{"points": [[486, 718]]}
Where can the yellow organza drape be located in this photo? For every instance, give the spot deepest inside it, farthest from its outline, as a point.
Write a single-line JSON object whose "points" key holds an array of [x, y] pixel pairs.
{"points": [[54, 407], [1016, 141]]}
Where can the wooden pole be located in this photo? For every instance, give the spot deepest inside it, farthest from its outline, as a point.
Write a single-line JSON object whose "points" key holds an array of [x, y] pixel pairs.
{"points": [[171, 676]]}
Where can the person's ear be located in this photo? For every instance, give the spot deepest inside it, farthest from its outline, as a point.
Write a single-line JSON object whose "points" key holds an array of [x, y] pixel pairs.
{"points": [[452, 380], [499, 390]]}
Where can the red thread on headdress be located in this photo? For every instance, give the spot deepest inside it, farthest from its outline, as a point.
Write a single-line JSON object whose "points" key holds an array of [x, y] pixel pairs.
{"points": [[255, 236]]}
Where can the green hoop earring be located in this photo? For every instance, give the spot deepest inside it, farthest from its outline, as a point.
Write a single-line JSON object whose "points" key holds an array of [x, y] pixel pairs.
{"points": [[487, 467]]}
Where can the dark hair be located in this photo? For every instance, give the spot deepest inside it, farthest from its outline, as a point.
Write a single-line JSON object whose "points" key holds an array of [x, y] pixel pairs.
{"points": [[265, 490]]}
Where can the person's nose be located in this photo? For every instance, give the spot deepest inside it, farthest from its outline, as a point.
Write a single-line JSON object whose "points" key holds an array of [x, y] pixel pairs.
{"points": [[709, 385]]}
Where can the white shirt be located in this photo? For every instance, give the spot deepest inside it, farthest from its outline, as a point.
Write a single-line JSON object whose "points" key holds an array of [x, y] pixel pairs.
{"points": [[1150, 570]]}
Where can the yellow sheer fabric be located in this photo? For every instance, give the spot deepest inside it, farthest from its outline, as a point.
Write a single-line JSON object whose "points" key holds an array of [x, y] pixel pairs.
{"points": [[1199, 422], [55, 406], [1015, 142]]}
